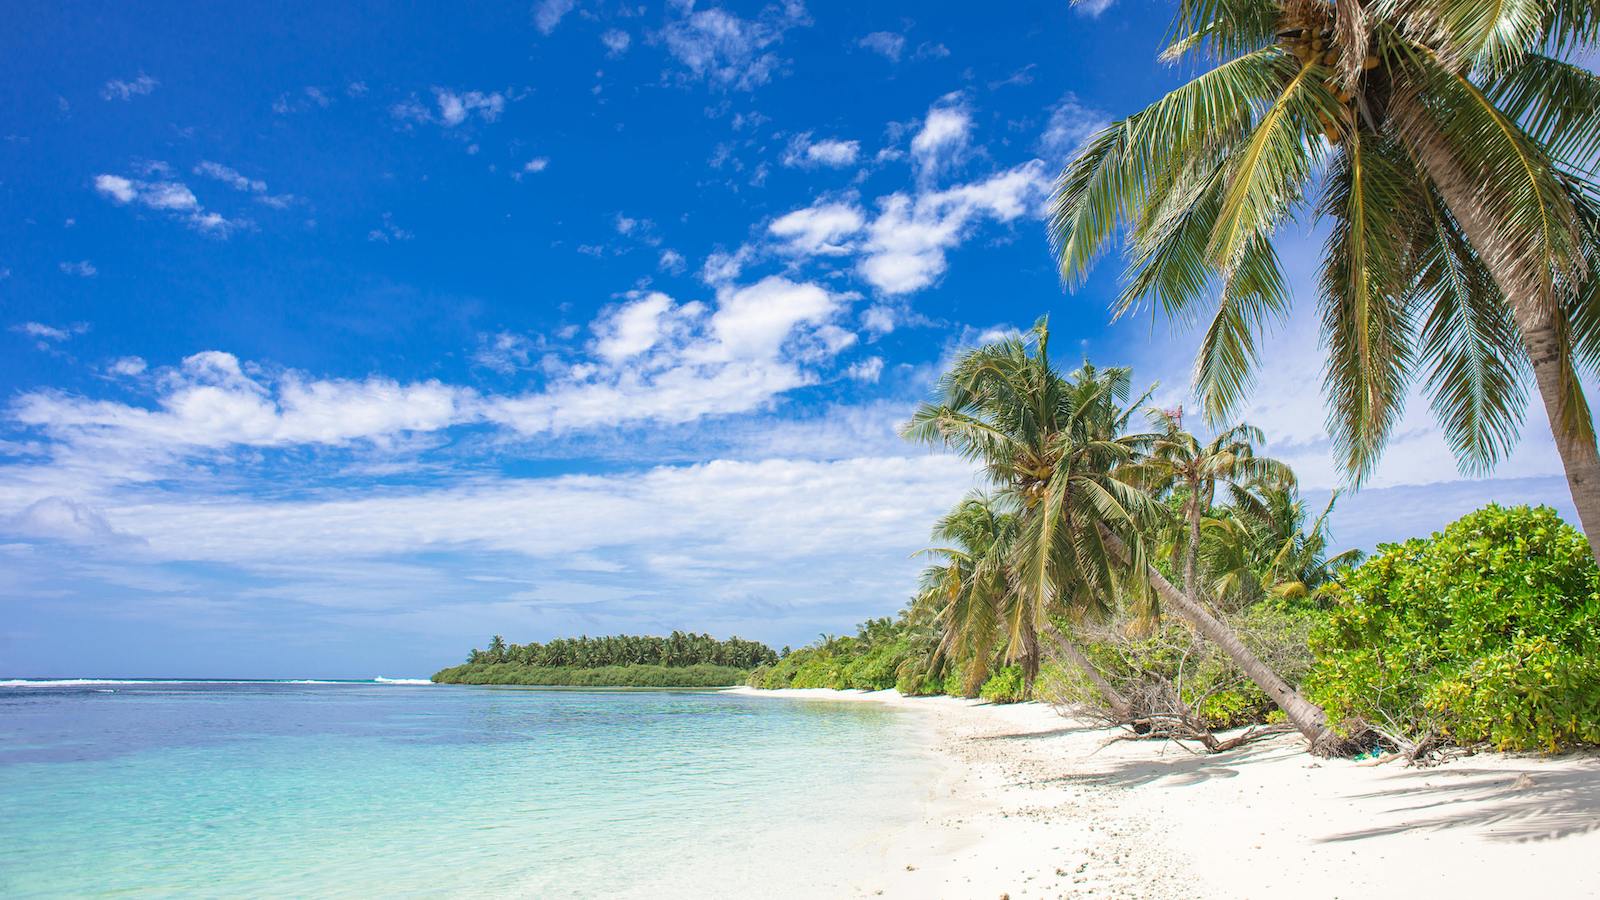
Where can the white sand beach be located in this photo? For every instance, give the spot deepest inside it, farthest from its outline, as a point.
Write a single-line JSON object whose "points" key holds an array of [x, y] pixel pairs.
{"points": [[1032, 804]]}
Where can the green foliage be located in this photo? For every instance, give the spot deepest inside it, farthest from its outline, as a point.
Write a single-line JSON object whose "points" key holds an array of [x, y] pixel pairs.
{"points": [[676, 649], [914, 683], [1487, 631], [1172, 661], [1004, 686], [699, 675]]}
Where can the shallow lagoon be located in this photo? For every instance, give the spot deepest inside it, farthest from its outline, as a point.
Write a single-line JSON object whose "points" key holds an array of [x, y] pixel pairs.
{"points": [[255, 788]]}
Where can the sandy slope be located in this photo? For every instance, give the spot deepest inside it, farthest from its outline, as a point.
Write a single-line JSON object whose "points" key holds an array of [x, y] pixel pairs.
{"points": [[1036, 805]]}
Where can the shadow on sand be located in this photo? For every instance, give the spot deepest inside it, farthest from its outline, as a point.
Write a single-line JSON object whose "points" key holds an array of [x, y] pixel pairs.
{"points": [[1179, 771], [1506, 805]]}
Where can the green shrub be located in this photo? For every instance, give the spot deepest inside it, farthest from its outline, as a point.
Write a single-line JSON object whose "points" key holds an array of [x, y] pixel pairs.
{"points": [[916, 683], [876, 669], [1172, 660], [1004, 686], [1485, 631], [955, 682]]}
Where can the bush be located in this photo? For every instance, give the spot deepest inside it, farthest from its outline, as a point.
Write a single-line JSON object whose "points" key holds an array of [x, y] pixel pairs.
{"points": [[1004, 686], [917, 683], [876, 669], [1173, 665], [1484, 632]]}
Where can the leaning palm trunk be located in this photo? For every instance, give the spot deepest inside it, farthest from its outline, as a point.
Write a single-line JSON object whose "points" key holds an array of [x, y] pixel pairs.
{"points": [[1524, 282], [1307, 717], [1121, 708]]}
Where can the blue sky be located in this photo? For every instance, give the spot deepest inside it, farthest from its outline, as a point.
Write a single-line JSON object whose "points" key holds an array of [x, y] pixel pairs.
{"points": [[341, 339]]}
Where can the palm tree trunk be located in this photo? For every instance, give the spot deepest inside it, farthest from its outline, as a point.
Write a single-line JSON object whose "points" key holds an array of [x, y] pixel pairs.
{"points": [[1523, 283], [1191, 563], [1120, 706], [1307, 717]]}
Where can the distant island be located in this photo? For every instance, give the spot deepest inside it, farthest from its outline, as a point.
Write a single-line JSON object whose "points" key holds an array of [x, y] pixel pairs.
{"points": [[678, 660]]}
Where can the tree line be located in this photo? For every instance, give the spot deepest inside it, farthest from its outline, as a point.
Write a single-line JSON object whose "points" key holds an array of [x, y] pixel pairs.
{"points": [[678, 649]]}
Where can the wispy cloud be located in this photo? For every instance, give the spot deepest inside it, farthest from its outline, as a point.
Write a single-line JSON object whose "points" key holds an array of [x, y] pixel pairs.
{"points": [[547, 14], [81, 268], [943, 139], [885, 43], [167, 196], [117, 89], [52, 333], [616, 41], [239, 182], [451, 108], [389, 232], [726, 51], [1070, 124], [803, 152]]}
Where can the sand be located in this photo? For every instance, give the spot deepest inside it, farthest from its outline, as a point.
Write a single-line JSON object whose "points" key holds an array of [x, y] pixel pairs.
{"points": [[1032, 804]]}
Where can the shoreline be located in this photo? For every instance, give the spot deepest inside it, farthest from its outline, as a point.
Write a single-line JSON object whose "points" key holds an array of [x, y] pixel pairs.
{"points": [[1029, 803]]}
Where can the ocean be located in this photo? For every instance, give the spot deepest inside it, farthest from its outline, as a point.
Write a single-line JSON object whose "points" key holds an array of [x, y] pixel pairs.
{"points": [[309, 788]]}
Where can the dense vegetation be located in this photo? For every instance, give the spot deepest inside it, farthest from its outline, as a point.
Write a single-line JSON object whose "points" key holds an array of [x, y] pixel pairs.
{"points": [[698, 675], [1060, 583], [677, 660], [1488, 631]]}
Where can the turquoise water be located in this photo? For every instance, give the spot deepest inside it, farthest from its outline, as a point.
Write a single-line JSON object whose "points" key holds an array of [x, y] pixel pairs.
{"points": [[359, 789]]}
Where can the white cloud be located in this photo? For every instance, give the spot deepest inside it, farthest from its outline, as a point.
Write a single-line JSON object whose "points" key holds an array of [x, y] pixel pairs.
{"points": [[879, 319], [63, 519], [1071, 123], [117, 89], [818, 230], [636, 326], [503, 352], [81, 268], [755, 322], [616, 41], [1092, 8], [725, 50], [49, 332], [547, 14], [389, 232], [230, 177], [942, 141], [907, 241], [722, 267], [653, 360], [537, 164], [211, 400], [672, 261], [454, 108], [867, 370], [802, 152], [127, 366], [173, 197], [887, 43], [240, 182]]}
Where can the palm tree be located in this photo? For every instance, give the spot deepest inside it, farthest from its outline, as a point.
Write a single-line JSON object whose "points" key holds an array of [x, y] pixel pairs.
{"points": [[1052, 446], [1259, 547], [1175, 460], [1448, 144], [968, 588]]}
